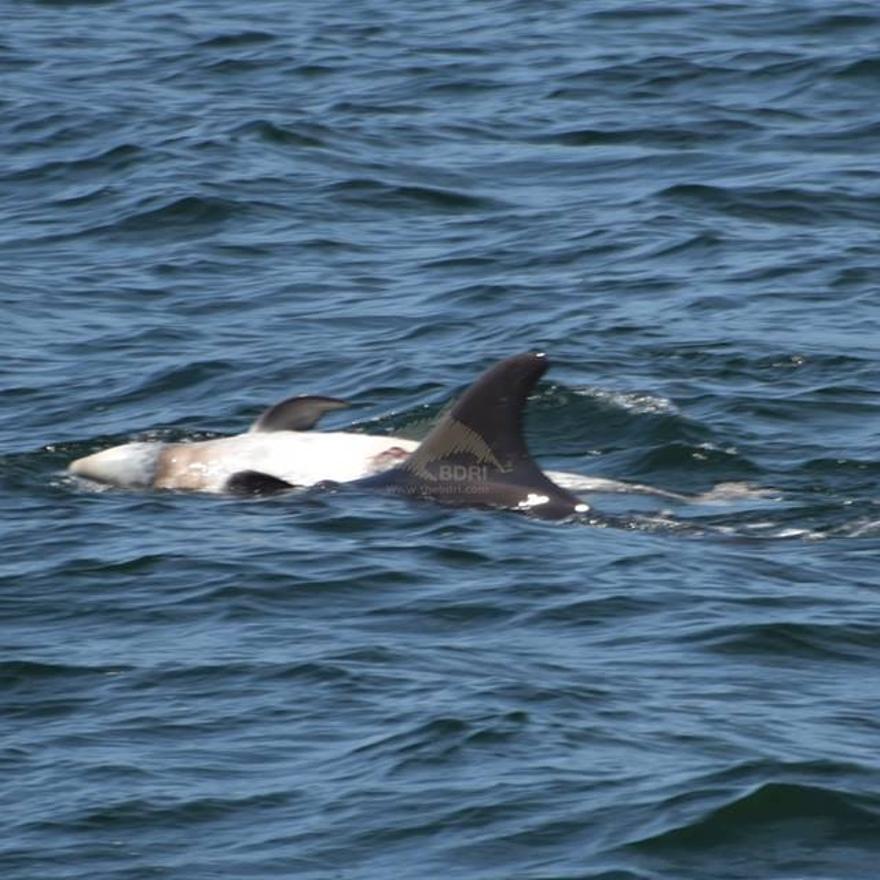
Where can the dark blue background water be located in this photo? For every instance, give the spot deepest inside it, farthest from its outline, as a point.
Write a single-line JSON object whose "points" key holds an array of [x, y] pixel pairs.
{"points": [[206, 207]]}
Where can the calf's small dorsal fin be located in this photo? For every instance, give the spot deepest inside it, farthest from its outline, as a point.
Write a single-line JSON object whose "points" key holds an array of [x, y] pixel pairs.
{"points": [[296, 414]]}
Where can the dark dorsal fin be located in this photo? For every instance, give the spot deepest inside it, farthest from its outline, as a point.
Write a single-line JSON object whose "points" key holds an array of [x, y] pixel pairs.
{"points": [[256, 483], [296, 413], [476, 453]]}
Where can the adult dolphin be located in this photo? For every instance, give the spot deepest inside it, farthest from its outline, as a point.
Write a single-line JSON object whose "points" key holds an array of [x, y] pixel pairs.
{"points": [[476, 454]]}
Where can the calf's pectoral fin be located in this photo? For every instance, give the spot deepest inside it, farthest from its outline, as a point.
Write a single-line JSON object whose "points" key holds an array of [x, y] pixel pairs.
{"points": [[256, 484], [297, 413]]}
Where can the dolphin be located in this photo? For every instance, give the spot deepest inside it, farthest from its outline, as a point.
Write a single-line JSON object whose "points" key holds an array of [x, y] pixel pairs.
{"points": [[475, 455], [278, 445]]}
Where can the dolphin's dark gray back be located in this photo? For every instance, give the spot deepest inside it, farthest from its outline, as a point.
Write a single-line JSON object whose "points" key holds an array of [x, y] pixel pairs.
{"points": [[476, 454]]}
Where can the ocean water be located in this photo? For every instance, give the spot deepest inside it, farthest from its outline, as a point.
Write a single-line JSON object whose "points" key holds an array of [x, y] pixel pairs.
{"points": [[207, 207]]}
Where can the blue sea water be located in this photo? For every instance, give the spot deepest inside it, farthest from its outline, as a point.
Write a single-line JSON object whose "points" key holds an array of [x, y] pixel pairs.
{"points": [[207, 207]]}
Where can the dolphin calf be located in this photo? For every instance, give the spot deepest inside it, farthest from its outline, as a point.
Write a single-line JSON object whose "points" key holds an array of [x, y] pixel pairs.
{"points": [[475, 454]]}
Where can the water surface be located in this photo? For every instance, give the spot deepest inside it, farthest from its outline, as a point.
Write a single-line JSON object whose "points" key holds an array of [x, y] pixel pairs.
{"points": [[205, 208]]}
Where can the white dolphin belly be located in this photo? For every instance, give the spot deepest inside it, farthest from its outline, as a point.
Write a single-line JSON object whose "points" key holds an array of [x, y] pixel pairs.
{"points": [[297, 457]]}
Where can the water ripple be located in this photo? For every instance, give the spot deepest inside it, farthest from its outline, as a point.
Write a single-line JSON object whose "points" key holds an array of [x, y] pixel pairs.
{"points": [[207, 209]]}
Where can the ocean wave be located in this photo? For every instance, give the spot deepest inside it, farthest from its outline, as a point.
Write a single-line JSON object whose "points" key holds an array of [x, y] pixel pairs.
{"points": [[781, 812], [795, 205], [631, 401], [379, 195], [816, 641]]}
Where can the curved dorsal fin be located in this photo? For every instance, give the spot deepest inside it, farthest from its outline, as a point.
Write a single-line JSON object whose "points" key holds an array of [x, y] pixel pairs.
{"points": [[477, 455], [296, 413]]}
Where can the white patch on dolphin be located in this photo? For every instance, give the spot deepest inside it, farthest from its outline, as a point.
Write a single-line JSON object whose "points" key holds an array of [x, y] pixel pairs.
{"points": [[297, 458]]}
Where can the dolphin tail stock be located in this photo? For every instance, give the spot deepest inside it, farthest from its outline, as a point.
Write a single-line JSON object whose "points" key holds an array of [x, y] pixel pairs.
{"points": [[476, 454]]}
